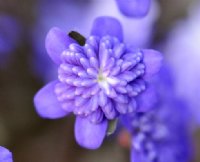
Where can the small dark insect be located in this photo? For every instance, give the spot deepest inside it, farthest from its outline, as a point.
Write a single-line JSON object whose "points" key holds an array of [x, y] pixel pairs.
{"points": [[78, 37]]}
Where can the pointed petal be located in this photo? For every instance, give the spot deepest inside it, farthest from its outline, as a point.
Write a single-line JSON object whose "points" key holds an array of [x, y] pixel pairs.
{"points": [[105, 25], [134, 8], [47, 104], [5, 155], [56, 42], [152, 61], [96, 117], [90, 135], [121, 108], [102, 99], [132, 105], [109, 110]]}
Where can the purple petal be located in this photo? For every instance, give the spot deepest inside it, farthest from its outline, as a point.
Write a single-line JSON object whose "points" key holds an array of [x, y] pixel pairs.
{"points": [[90, 135], [5, 155], [109, 110], [102, 99], [121, 108], [152, 61], [146, 100], [134, 8], [47, 104], [96, 117], [93, 103], [107, 26], [56, 42], [121, 99], [132, 105]]}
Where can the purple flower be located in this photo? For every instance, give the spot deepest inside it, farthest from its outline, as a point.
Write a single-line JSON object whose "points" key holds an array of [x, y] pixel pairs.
{"points": [[134, 8], [161, 135], [99, 78], [5, 155], [182, 47]]}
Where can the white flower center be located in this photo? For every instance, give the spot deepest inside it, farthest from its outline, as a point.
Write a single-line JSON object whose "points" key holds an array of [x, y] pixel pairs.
{"points": [[103, 82]]}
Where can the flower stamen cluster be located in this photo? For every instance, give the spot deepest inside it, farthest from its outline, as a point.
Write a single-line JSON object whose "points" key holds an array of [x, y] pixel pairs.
{"points": [[100, 79]]}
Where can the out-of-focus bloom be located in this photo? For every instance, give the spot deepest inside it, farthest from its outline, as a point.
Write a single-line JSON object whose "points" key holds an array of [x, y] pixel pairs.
{"points": [[99, 79], [9, 37], [134, 8], [5, 155], [131, 26], [162, 134], [183, 54], [67, 16]]}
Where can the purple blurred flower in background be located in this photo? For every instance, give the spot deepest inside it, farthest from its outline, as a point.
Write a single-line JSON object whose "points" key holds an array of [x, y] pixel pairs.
{"points": [[162, 134], [68, 16], [99, 78], [183, 51], [5, 155], [9, 37], [134, 8], [141, 29]]}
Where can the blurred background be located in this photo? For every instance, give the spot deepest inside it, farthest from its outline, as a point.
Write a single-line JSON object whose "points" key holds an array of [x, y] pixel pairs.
{"points": [[25, 68]]}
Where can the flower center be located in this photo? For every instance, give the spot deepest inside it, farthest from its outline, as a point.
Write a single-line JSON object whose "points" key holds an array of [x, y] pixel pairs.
{"points": [[102, 80], [103, 74], [101, 77]]}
